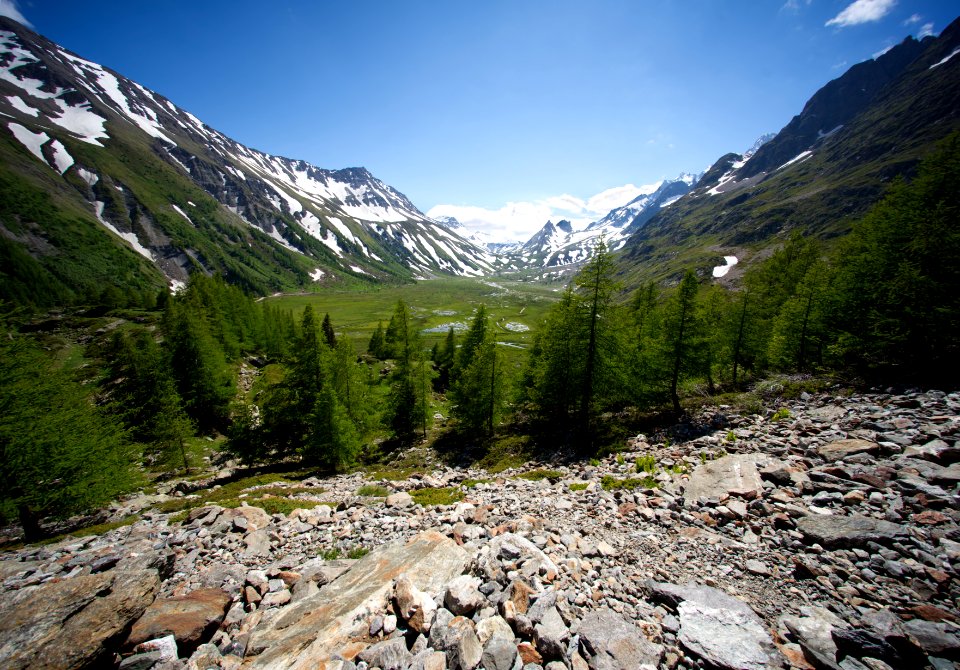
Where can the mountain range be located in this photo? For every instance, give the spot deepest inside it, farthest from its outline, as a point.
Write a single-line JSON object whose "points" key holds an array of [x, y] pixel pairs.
{"points": [[105, 169], [107, 183]]}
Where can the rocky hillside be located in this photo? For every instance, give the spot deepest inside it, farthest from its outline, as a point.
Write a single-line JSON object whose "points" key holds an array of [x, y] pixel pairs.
{"points": [[97, 165], [824, 535]]}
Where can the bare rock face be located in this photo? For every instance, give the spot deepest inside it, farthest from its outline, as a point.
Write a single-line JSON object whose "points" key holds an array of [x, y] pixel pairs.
{"points": [[734, 475], [309, 632], [70, 624], [191, 619]]}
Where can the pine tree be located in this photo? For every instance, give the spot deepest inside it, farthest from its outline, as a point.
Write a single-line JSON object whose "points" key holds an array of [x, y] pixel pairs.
{"points": [[679, 330], [444, 359], [478, 393], [378, 344], [406, 402], [328, 335]]}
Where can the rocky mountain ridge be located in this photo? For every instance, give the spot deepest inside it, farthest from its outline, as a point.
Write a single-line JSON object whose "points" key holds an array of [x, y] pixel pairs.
{"points": [[823, 535]]}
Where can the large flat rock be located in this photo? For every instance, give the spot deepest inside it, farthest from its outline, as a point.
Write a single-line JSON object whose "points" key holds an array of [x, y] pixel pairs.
{"points": [[734, 475], [307, 634], [840, 532], [722, 630], [72, 623]]}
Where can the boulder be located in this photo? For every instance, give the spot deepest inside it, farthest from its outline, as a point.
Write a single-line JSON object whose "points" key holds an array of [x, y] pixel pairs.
{"points": [[722, 630], [813, 631], [387, 655], [191, 619], [309, 632], [838, 532], [836, 451], [416, 607], [74, 622], [610, 642], [734, 475], [463, 596]]}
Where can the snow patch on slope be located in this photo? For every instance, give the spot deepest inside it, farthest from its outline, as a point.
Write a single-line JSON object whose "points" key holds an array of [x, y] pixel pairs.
{"points": [[129, 238]]}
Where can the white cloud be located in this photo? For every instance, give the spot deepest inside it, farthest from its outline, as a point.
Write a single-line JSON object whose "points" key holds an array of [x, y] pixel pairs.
{"points": [[9, 9], [518, 221], [925, 31], [914, 18], [862, 11]]}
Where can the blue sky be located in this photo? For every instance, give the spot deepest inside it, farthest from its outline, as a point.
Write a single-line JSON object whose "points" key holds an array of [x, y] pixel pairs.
{"points": [[503, 113]]}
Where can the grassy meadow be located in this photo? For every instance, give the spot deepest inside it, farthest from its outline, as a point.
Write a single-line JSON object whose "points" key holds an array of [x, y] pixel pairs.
{"points": [[515, 308]]}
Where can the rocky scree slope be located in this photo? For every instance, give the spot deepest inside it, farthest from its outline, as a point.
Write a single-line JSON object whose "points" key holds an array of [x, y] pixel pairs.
{"points": [[821, 171], [827, 536], [168, 187]]}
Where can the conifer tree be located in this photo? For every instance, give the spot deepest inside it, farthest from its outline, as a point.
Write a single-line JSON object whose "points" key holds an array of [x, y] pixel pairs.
{"points": [[378, 343], [328, 335], [679, 331], [406, 403], [444, 359], [478, 392]]}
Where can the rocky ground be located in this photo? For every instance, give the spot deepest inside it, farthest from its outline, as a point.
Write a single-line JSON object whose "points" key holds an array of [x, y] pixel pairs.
{"points": [[825, 536]]}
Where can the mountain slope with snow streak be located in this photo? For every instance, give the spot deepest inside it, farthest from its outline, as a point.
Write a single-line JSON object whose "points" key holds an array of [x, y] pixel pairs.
{"points": [[266, 221]]}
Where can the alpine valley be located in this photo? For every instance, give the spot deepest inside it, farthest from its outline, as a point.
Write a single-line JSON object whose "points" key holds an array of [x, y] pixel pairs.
{"points": [[108, 183]]}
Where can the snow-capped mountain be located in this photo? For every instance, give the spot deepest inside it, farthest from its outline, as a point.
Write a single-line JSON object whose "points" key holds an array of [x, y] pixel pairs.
{"points": [[195, 191], [559, 244]]}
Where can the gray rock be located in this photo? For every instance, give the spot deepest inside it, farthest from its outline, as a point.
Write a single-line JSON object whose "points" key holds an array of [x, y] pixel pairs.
{"points": [[461, 644], [725, 638], [387, 655], [935, 639], [313, 629], [813, 632], [840, 449], [463, 596], [837, 532], [719, 628], [610, 642], [257, 544], [499, 654], [551, 634], [734, 475], [401, 500], [67, 623]]}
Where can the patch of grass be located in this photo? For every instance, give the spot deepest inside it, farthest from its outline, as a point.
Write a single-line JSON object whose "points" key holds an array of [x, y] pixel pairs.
{"points": [[647, 464], [97, 529], [470, 483], [781, 414], [358, 552], [678, 469], [595, 462], [373, 491], [331, 554], [442, 496], [610, 483], [578, 486], [730, 437], [537, 475]]}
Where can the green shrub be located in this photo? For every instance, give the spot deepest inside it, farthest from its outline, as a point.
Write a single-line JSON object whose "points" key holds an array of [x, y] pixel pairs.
{"points": [[578, 486], [358, 552], [647, 464], [442, 496], [781, 414], [610, 483], [536, 475]]}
